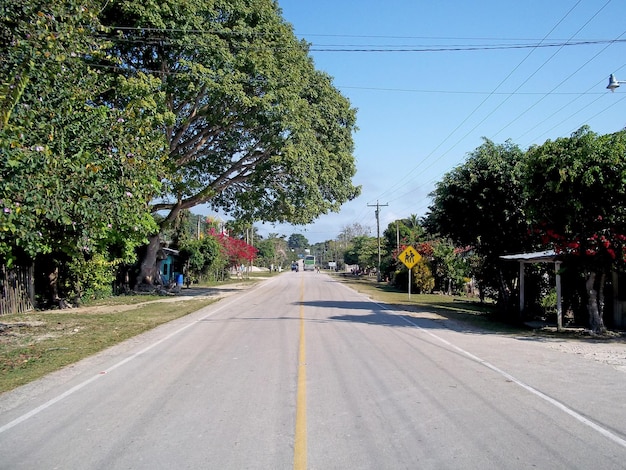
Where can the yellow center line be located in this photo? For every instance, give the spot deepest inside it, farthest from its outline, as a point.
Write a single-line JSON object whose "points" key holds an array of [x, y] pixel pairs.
{"points": [[299, 454]]}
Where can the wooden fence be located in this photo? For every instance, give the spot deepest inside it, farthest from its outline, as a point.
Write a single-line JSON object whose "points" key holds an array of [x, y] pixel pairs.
{"points": [[17, 291]]}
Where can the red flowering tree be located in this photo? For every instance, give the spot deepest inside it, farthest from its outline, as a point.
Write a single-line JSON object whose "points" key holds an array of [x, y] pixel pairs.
{"points": [[235, 250], [577, 195], [426, 249]]}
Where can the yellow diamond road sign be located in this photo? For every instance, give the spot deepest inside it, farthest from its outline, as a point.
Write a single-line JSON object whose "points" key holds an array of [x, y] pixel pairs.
{"points": [[409, 257]]}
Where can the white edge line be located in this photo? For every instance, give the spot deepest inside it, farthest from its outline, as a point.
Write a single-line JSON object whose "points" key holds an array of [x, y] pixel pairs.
{"points": [[580, 418], [605, 432], [81, 385]]}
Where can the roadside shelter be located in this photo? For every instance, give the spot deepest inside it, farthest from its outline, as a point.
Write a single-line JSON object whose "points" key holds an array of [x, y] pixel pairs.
{"points": [[548, 256]]}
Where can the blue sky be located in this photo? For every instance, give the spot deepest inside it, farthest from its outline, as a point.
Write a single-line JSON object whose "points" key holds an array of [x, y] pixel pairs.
{"points": [[422, 110]]}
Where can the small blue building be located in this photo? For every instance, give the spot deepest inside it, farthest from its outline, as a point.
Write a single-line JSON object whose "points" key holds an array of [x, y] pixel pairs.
{"points": [[168, 265]]}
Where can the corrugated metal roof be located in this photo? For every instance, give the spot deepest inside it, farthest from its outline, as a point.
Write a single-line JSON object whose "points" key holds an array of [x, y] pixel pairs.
{"points": [[537, 257]]}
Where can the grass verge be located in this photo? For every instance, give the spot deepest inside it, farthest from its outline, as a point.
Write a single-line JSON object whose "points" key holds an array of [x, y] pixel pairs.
{"points": [[472, 313], [38, 343], [469, 311]]}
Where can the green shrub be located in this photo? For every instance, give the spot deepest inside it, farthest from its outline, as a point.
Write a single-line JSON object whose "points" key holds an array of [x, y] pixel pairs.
{"points": [[90, 278]]}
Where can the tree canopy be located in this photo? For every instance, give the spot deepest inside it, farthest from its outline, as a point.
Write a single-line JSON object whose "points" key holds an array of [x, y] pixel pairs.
{"points": [[77, 172], [481, 204], [113, 112], [258, 132], [297, 241], [362, 251], [567, 195], [578, 197], [577, 202]]}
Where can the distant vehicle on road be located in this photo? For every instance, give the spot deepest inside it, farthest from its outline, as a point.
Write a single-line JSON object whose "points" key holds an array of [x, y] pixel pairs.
{"points": [[309, 263]]}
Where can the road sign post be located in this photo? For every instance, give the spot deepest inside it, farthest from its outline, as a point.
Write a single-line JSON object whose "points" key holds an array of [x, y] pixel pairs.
{"points": [[410, 269], [410, 258]]}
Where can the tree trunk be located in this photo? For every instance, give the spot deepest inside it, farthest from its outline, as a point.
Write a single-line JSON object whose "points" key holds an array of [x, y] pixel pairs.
{"points": [[47, 282], [601, 299], [595, 304], [505, 297], [53, 286], [148, 273]]}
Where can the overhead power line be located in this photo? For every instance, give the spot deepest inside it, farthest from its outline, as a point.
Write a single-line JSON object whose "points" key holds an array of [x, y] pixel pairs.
{"points": [[315, 48], [354, 36], [407, 176], [166, 40], [560, 83], [466, 92]]}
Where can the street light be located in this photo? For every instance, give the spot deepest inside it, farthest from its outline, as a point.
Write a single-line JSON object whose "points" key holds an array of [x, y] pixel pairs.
{"points": [[613, 83]]}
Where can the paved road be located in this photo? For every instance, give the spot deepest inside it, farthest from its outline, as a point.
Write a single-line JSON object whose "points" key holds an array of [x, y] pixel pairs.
{"points": [[302, 372]]}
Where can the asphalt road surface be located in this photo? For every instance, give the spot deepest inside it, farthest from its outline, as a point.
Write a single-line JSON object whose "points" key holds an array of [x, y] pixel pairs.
{"points": [[302, 372]]}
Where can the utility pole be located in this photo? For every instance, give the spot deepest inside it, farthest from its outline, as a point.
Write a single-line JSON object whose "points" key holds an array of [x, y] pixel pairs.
{"points": [[398, 236], [377, 212]]}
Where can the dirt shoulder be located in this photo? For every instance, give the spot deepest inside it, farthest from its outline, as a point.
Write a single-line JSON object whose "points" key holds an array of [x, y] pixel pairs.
{"points": [[213, 292], [37, 343]]}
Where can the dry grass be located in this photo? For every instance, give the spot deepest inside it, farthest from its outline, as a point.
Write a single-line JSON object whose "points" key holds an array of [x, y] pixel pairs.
{"points": [[38, 343]]}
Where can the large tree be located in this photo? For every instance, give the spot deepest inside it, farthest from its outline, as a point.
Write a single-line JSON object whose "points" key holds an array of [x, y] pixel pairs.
{"points": [[481, 204], [76, 173], [363, 251], [577, 201], [350, 232], [258, 133], [298, 242]]}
